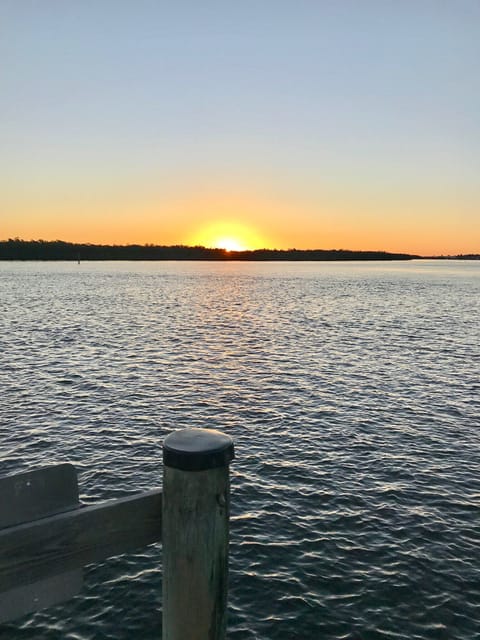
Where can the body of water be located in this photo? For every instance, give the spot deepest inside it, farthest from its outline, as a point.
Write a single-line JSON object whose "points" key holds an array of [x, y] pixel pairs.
{"points": [[352, 391]]}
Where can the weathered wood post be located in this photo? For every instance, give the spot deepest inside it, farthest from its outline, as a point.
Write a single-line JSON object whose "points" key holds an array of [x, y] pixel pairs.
{"points": [[196, 505]]}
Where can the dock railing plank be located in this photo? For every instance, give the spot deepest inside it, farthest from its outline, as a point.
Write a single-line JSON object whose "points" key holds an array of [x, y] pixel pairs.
{"points": [[28, 598], [47, 536], [56, 544], [37, 493]]}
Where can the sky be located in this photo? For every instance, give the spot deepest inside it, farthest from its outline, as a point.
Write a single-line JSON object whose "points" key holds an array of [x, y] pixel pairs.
{"points": [[245, 124]]}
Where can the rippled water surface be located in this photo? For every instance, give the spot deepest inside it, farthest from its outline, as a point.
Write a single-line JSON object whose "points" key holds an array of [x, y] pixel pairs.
{"points": [[352, 391]]}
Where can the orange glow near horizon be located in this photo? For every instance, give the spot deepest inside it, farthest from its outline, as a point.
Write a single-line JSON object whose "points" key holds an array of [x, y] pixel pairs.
{"points": [[243, 219], [230, 244], [231, 236], [184, 128]]}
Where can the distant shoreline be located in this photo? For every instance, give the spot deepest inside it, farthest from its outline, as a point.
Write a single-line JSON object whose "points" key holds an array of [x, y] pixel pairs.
{"points": [[56, 250]]}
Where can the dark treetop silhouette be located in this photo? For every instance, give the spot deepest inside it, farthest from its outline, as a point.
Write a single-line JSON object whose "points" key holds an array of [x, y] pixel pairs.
{"points": [[16, 249]]}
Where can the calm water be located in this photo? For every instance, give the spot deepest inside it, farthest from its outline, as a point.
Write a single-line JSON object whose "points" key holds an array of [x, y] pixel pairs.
{"points": [[352, 391]]}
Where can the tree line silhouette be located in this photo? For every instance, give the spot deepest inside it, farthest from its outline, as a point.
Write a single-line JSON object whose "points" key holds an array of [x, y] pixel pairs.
{"points": [[17, 249]]}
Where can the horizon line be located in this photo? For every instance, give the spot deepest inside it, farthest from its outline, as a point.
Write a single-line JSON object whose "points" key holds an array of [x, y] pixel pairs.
{"points": [[231, 252]]}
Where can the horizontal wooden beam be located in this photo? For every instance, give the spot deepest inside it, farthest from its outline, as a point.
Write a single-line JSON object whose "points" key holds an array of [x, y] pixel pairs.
{"points": [[19, 601], [37, 493], [49, 546]]}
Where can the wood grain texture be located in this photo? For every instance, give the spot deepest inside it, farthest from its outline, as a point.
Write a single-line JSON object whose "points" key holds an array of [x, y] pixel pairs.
{"points": [[38, 493], [195, 553], [45, 593], [49, 546]]}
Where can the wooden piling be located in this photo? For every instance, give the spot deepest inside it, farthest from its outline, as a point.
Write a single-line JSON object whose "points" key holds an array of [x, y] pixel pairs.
{"points": [[196, 505]]}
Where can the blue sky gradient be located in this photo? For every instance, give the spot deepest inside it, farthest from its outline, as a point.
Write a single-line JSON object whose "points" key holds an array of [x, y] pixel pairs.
{"points": [[324, 123]]}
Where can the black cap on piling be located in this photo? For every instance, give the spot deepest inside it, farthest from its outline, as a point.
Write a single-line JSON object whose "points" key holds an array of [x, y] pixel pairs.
{"points": [[197, 449]]}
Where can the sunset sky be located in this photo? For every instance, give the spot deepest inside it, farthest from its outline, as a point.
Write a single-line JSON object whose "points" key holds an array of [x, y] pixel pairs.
{"points": [[265, 123]]}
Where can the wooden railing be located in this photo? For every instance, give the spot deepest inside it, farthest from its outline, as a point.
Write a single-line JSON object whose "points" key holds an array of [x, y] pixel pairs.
{"points": [[47, 536]]}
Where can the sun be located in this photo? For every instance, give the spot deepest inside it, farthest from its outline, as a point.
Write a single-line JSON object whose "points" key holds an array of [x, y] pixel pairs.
{"points": [[229, 244], [230, 236]]}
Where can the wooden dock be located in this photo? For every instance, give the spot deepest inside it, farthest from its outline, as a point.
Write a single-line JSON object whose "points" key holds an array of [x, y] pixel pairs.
{"points": [[47, 535]]}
